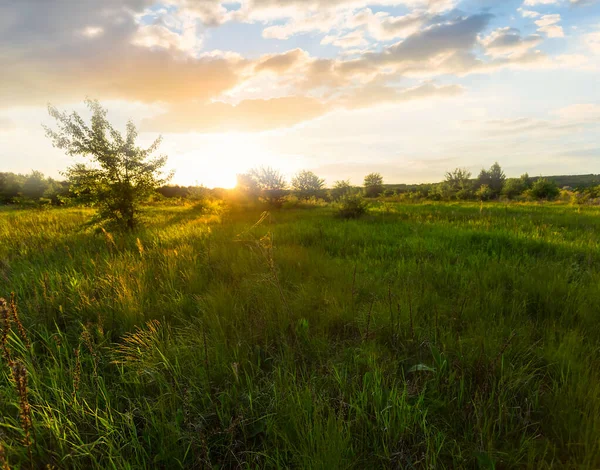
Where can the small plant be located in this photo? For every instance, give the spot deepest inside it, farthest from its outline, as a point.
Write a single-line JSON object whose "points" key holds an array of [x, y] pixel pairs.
{"points": [[353, 207]]}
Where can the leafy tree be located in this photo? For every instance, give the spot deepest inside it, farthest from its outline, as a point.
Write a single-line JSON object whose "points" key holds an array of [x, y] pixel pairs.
{"points": [[11, 187], [121, 175], [373, 185], [271, 184], [340, 189], [513, 187], [484, 192], [268, 179], [494, 178], [35, 185], [526, 181], [458, 183], [306, 184], [544, 188]]}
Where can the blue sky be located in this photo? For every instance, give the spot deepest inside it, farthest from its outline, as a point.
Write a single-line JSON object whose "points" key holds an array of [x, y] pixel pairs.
{"points": [[409, 88]]}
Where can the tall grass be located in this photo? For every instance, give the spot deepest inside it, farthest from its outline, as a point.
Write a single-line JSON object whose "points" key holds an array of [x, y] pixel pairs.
{"points": [[420, 336]]}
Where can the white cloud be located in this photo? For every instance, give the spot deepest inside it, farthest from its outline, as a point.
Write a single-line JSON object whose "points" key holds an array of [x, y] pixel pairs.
{"points": [[592, 41], [548, 24], [509, 42], [353, 39], [528, 13], [533, 3]]}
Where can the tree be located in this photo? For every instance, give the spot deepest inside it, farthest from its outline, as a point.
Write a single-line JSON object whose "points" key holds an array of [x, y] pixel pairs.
{"points": [[341, 189], [306, 184], [121, 175], [484, 193], [11, 186], [544, 188], [271, 184], [35, 185], [494, 178], [458, 183], [513, 187], [373, 185]]}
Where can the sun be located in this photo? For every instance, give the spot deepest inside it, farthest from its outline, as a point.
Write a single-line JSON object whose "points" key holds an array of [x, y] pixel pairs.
{"points": [[216, 160]]}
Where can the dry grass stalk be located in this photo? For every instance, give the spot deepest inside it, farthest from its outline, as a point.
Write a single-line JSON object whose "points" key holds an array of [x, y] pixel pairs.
{"points": [[17, 320], [5, 317], [20, 377], [76, 374]]}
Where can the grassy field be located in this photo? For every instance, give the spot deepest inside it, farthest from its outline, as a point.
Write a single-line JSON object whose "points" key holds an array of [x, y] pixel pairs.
{"points": [[421, 336]]}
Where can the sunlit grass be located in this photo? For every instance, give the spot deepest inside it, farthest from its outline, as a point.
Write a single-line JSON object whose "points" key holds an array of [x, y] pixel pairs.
{"points": [[420, 336]]}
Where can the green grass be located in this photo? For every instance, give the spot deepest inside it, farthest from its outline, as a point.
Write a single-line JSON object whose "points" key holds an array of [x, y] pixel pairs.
{"points": [[420, 336]]}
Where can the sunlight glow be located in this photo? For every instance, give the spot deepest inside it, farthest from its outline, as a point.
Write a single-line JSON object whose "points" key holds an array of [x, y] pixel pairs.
{"points": [[215, 160]]}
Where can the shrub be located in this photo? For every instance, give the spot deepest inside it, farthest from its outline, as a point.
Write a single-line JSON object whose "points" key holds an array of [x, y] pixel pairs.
{"points": [[544, 189], [340, 190], [352, 207], [484, 193]]}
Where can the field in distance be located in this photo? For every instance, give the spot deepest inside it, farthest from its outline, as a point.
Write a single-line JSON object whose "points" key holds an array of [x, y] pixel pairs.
{"points": [[420, 336]]}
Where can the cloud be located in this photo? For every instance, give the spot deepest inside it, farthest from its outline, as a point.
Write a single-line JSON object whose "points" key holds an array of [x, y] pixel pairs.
{"points": [[47, 58], [533, 3], [280, 63], [508, 41], [549, 24], [574, 118], [528, 13], [268, 114], [6, 124], [248, 115], [592, 41], [353, 39]]}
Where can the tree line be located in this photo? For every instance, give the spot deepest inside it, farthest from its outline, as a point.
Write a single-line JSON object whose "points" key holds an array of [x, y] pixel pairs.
{"points": [[120, 176]]}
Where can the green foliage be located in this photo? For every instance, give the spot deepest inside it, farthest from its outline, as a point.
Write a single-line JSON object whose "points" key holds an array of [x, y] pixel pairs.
{"points": [[458, 185], [352, 206], [307, 185], [484, 193], [267, 182], [121, 175], [543, 188], [494, 179], [373, 184], [431, 336], [341, 189]]}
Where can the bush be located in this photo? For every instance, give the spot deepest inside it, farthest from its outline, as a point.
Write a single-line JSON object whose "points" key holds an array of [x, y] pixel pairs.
{"points": [[544, 189], [352, 207], [484, 193]]}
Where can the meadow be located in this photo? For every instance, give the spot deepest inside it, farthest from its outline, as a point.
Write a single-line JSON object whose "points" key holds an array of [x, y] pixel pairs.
{"points": [[433, 335]]}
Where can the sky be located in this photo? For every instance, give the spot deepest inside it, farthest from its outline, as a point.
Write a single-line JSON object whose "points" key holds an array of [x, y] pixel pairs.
{"points": [[407, 88]]}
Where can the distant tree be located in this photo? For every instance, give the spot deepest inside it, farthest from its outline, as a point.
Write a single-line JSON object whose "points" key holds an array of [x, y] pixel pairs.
{"points": [[35, 185], [526, 181], [373, 185], [458, 184], [11, 187], [513, 187], [306, 184], [340, 189], [494, 178], [121, 175], [544, 188], [484, 193], [174, 191], [58, 192], [268, 179], [246, 184], [271, 184]]}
